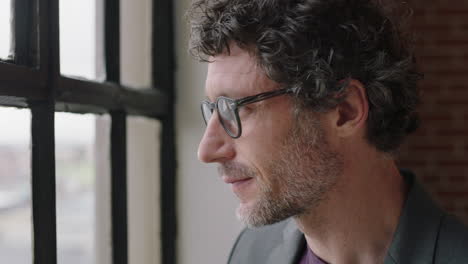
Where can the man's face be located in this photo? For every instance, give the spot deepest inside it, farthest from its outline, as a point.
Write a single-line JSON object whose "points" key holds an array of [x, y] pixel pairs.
{"points": [[281, 166]]}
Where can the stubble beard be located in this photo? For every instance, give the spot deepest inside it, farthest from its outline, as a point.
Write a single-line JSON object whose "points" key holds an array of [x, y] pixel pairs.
{"points": [[299, 179]]}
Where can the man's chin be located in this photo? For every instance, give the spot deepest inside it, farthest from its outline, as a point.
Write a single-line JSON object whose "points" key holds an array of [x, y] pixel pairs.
{"points": [[244, 213], [244, 210], [252, 216]]}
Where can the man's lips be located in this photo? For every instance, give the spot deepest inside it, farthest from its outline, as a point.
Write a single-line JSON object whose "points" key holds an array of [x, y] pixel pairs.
{"points": [[238, 185], [230, 180]]}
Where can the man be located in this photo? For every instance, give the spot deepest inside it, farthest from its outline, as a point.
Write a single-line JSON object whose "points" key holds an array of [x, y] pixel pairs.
{"points": [[307, 104]]}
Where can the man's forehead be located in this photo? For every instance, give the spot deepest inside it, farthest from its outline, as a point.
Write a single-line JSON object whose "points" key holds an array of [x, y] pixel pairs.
{"points": [[236, 75]]}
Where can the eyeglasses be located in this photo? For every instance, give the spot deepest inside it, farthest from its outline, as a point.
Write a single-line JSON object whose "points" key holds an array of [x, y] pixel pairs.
{"points": [[228, 109]]}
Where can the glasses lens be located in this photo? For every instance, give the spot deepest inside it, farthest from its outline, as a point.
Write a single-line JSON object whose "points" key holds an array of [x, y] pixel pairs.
{"points": [[207, 112], [226, 110]]}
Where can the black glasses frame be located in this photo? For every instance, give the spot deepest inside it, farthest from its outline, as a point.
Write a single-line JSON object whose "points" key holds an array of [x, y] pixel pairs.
{"points": [[237, 103]]}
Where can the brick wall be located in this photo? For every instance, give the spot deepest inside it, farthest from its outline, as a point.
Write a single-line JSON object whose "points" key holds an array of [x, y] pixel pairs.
{"points": [[438, 151]]}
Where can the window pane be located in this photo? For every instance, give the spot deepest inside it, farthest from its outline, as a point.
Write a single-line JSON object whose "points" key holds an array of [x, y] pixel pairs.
{"points": [[5, 28], [143, 190], [135, 39], [75, 187], [15, 187], [78, 39], [103, 196]]}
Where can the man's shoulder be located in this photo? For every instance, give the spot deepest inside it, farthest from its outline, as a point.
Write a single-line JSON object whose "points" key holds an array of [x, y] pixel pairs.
{"points": [[425, 233], [452, 243], [256, 245]]}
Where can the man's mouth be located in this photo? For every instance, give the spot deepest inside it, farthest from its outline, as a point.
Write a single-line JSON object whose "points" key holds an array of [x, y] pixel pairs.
{"points": [[238, 185], [230, 180]]}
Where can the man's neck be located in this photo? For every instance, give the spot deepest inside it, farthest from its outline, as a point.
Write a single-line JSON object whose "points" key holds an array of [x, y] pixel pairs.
{"points": [[357, 220]]}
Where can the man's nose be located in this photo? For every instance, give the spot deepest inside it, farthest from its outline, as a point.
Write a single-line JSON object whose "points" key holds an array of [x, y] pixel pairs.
{"points": [[216, 145]]}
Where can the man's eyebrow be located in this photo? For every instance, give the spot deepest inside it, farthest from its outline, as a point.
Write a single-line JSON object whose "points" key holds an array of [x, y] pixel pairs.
{"points": [[219, 95]]}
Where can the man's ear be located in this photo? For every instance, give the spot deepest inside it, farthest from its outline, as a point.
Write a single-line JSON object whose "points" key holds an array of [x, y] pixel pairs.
{"points": [[350, 115]]}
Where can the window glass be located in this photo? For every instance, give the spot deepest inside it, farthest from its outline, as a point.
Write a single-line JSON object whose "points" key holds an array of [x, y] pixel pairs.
{"points": [[143, 190], [5, 28], [15, 187], [135, 41], [75, 187], [143, 136], [80, 44], [103, 196]]}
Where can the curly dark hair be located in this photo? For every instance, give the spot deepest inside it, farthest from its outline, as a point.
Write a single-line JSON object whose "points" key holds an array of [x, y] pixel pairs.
{"points": [[316, 45]]}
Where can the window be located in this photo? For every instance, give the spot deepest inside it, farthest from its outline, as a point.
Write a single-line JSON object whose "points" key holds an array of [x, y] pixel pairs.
{"points": [[35, 75], [5, 30], [75, 178], [15, 193]]}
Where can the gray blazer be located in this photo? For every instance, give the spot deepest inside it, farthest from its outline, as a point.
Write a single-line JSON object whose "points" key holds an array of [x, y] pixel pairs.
{"points": [[424, 234]]}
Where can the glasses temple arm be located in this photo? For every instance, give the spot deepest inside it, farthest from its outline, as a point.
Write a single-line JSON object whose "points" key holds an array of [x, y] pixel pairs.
{"points": [[263, 96]]}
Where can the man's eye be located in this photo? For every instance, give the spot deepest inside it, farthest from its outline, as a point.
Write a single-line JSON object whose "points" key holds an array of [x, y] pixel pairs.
{"points": [[245, 110]]}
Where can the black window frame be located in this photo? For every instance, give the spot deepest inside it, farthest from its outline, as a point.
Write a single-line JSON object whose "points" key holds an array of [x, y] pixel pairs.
{"points": [[31, 79]]}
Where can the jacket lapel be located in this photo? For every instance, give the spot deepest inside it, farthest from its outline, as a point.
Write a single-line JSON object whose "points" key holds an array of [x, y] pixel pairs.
{"points": [[291, 248], [417, 231]]}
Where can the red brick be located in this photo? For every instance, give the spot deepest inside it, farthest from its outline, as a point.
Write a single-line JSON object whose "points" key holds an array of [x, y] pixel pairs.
{"points": [[442, 174], [452, 43], [413, 163], [418, 28], [442, 48], [453, 194], [449, 73], [449, 209], [437, 117], [458, 179], [453, 132], [419, 11], [450, 22], [429, 147], [431, 178], [452, 12], [434, 58], [453, 163], [446, 97], [463, 88], [454, 101], [430, 87]]}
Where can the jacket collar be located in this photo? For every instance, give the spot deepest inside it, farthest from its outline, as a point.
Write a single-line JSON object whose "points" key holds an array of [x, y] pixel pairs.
{"points": [[291, 249], [415, 238], [413, 242]]}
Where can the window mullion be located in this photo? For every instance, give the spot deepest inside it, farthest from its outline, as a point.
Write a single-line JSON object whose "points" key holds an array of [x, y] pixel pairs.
{"points": [[49, 44], [22, 82], [118, 136], [163, 77], [25, 32], [112, 96], [118, 153], [43, 137], [44, 36], [112, 39], [43, 183], [19, 77]]}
